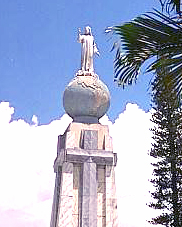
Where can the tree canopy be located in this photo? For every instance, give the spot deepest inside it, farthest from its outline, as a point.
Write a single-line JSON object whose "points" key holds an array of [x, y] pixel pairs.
{"points": [[167, 152]]}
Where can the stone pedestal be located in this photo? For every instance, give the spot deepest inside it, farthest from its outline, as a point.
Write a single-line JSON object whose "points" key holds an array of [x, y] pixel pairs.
{"points": [[84, 193]]}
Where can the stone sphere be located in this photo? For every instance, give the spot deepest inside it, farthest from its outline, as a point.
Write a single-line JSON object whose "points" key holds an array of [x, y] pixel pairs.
{"points": [[86, 96]]}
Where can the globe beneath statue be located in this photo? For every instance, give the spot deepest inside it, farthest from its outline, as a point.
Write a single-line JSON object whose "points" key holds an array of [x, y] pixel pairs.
{"points": [[86, 99]]}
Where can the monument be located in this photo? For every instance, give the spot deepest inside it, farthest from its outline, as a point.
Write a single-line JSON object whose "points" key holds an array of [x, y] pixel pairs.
{"points": [[84, 194]]}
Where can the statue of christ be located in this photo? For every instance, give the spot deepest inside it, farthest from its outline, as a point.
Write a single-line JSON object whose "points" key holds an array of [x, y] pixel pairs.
{"points": [[88, 49]]}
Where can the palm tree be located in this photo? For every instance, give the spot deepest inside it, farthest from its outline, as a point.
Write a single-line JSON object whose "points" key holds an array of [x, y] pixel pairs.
{"points": [[153, 36], [171, 5]]}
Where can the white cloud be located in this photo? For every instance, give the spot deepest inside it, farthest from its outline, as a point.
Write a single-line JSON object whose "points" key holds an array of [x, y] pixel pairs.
{"points": [[27, 153], [5, 113], [35, 120], [132, 141]]}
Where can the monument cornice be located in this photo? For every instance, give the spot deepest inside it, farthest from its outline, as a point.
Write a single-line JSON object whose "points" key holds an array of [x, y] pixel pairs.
{"points": [[78, 155]]}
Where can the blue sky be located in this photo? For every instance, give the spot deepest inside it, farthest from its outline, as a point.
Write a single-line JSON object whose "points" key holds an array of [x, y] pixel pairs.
{"points": [[39, 53]]}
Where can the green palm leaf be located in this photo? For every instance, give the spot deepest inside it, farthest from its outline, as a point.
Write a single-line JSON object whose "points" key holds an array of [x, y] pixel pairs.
{"points": [[170, 5], [147, 36]]}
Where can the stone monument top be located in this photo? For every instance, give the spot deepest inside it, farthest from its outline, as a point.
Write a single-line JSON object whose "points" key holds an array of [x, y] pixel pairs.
{"points": [[86, 98], [85, 194]]}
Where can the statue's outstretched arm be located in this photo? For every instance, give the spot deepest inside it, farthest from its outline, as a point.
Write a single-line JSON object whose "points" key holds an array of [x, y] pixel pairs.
{"points": [[96, 51], [79, 35]]}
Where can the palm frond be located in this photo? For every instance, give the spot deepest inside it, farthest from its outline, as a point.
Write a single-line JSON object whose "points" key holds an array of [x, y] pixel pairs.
{"points": [[170, 5], [150, 35]]}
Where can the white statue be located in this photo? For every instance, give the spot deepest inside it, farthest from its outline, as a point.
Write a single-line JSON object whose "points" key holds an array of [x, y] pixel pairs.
{"points": [[88, 49]]}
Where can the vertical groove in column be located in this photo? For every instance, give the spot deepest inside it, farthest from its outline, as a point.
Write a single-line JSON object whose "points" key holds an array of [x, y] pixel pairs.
{"points": [[89, 195], [101, 196], [76, 195]]}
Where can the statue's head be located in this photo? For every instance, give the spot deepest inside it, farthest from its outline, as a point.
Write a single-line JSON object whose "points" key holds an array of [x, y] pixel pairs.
{"points": [[88, 30]]}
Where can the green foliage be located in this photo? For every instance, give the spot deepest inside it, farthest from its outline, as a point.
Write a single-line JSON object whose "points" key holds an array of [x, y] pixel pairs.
{"points": [[157, 37], [148, 36], [167, 151], [171, 5]]}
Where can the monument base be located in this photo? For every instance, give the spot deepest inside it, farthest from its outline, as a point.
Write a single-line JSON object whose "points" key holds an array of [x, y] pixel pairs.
{"points": [[85, 193]]}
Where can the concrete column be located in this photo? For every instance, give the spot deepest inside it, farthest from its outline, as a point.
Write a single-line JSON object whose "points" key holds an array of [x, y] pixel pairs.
{"points": [[66, 196], [89, 195], [111, 201], [56, 198]]}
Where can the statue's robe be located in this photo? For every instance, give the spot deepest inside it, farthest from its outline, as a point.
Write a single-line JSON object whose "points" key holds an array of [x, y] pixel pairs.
{"points": [[87, 51]]}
